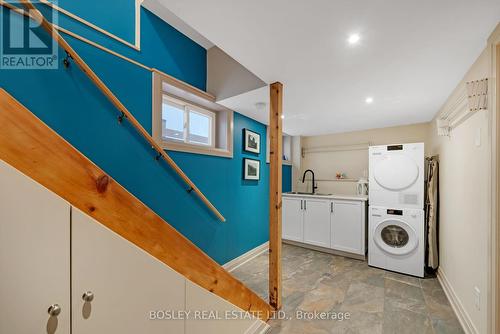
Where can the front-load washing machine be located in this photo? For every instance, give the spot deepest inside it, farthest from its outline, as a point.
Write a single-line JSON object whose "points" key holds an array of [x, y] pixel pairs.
{"points": [[396, 175], [396, 240]]}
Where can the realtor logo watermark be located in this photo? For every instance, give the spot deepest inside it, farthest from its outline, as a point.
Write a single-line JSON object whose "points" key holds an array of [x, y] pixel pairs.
{"points": [[24, 44]]}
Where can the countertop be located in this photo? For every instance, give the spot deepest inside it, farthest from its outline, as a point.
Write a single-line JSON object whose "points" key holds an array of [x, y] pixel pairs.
{"points": [[331, 196]]}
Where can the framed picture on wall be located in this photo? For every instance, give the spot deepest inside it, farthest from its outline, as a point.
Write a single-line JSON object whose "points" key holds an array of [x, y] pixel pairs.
{"points": [[251, 169], [252, 141]]}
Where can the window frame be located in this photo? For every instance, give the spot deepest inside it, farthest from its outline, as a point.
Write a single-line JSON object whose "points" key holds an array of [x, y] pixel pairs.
{"points": [[189, 108], [222, 126]]}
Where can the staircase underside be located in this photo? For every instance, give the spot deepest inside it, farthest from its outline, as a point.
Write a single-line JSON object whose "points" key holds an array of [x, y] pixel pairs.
{"points": [[30, 146]]}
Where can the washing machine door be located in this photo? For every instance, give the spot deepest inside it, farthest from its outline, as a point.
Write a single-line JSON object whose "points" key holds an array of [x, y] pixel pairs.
{"points": [[396, 172], [396, 237]]}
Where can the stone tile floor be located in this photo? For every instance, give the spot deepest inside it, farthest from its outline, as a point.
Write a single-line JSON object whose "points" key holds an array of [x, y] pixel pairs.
{"points": [[377, 301]]}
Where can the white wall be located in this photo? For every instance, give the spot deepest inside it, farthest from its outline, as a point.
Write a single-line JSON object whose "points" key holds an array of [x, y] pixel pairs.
{"points": [[226, 77], [464, 205], [349, 154]]}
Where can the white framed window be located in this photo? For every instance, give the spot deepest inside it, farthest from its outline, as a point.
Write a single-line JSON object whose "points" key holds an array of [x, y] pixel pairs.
{"points": [[186, 120], [185, 123]]}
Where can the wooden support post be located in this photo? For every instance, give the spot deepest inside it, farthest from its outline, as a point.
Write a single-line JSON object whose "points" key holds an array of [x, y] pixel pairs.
{"points": [[276, 156]]}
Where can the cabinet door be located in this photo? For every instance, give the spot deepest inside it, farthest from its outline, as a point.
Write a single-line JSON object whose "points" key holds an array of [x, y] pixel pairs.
{"points": [[292, 219], [34, 256], [127, 284], [317, 222], [348, 230]]}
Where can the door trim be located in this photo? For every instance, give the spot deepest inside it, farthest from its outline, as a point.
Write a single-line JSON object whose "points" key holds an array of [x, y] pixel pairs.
{"points": [[494, 193], [495, 247]]}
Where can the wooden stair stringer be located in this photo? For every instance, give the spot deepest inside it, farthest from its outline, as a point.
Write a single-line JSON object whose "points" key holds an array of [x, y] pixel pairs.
{"points": [[30, 146]]}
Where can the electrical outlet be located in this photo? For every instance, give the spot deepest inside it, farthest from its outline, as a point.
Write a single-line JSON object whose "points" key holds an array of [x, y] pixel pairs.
{"points": [[477, 298]]}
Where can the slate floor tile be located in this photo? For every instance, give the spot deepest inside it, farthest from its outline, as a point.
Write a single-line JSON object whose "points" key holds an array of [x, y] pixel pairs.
{"points": [[377, 301]]}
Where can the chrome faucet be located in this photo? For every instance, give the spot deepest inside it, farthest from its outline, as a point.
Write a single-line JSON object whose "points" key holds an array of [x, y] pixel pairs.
{"points": [[314, 186]]}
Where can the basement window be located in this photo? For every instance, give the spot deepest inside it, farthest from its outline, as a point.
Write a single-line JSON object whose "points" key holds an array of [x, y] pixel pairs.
{"points": [[186, 119], [183, 123]]}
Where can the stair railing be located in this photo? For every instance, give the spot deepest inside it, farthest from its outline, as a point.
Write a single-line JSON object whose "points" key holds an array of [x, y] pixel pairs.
{"points": [[35, 14]]}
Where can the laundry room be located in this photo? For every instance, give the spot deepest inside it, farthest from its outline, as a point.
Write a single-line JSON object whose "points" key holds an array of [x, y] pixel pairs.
{"points": [[376, 184], [389, 208], [256, 167]]}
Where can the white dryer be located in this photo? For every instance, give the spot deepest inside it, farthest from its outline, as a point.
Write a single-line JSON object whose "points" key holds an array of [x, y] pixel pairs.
{"points": [[396, 175], [396, 240]]}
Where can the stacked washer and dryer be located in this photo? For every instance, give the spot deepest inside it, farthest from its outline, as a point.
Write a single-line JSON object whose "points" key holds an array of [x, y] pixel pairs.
{"points": [[396, 219]]}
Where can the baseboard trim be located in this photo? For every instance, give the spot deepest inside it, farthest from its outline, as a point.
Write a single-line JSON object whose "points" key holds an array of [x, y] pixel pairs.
{"points": [[248, 256], [258, 327], [456, 304], [325, 250]]}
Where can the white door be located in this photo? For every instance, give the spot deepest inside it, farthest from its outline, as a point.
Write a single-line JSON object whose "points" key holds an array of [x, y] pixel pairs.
{"points": [[348, 226], [292, 215], [34, 256], [317, 222], [126, 282]]}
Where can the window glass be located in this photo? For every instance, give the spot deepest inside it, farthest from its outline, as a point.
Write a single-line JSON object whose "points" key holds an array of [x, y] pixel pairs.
{"points": [[200, 128], [172, 121]]}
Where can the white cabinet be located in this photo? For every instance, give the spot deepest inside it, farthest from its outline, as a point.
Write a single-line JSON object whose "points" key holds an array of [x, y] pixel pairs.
{"points": [[127, 283], [34, 256], [317, 222], [331, 223], [348, 226], [293, 219], [54, 254]]}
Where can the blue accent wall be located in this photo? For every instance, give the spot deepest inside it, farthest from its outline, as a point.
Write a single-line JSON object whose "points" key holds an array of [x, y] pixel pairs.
{"points": [[162, 46], [114, 16], [286, 179], [69, 103]]}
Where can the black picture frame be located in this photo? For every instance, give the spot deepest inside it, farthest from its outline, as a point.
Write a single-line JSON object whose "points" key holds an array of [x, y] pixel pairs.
{"points": [[251, 169], [251, 141]]}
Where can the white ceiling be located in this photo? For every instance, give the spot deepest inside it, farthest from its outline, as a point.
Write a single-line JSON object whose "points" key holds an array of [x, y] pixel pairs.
{"points": [[411, 55]]}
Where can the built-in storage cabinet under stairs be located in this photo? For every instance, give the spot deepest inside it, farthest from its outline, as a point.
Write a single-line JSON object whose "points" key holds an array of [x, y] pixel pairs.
{"points": [[56, 261], [331, 223]]}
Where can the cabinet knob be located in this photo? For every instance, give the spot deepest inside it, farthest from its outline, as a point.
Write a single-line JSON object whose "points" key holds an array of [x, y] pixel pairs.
{"points": [[88, 296], [54, 310]]}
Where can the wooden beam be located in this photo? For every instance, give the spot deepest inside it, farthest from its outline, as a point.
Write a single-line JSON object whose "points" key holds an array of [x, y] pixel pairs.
{"points": [[276, 157], [36, 15], [30, 146]]}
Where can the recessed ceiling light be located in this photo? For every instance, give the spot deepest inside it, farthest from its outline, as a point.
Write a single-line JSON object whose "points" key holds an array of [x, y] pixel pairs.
{"points": [[260, 105], [282, 116], [369, 100], [353, 39]]}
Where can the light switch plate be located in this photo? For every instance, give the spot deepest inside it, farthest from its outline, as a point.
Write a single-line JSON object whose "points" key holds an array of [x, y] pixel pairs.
{"points": [[477, 298]]}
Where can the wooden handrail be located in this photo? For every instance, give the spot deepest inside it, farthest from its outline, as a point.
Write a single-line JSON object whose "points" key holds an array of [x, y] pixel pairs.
{"points": [[48, 26], [37, 151]]}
